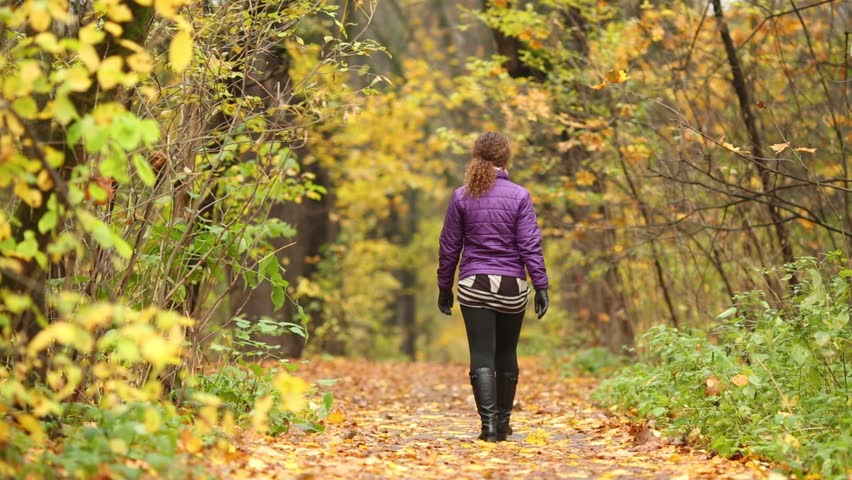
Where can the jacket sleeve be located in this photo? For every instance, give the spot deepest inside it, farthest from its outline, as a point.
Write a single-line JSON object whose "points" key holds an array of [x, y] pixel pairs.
{"points": [[528, 239], [450, 244]]}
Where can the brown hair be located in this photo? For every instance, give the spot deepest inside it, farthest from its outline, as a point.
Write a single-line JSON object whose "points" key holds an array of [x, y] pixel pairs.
{"points": [[490, 150]]}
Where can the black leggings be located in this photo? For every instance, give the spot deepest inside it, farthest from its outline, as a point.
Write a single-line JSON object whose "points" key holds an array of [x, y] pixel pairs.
{"points": [[492, 338]]}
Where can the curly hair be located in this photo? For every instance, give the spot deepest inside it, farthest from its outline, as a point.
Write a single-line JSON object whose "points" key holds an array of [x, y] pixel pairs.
{"points": [[490, 150]]}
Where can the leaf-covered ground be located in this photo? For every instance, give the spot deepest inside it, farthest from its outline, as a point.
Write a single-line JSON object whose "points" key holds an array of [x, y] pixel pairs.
{"points": [[417, 420]]}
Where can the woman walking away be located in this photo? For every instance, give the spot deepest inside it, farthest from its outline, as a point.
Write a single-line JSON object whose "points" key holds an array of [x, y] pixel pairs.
{"points": [[492, 224]]}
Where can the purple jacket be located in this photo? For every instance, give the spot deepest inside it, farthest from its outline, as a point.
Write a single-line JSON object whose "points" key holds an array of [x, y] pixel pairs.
{"points": [[498, 233]]}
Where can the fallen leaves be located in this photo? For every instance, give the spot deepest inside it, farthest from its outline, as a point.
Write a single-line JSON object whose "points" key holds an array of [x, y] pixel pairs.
{"points": [[189, 443], [417, 420], [711, 386], [740, 380]]}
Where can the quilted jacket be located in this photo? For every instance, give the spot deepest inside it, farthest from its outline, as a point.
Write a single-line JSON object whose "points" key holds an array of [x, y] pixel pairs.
{"points": [[496, 234]]}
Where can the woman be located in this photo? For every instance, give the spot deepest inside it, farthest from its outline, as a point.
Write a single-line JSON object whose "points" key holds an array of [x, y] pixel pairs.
{"points": [[492, 224]]}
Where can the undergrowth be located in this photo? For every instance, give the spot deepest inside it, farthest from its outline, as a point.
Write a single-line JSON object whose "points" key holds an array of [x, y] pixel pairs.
{"points": [[771, 382]]}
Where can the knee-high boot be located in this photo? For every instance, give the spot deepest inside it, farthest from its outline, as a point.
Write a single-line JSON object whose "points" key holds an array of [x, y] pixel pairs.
{"points": [[507, 383], [484, 385]]}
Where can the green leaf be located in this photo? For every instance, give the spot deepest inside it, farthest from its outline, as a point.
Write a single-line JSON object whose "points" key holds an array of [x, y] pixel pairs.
{"points": [[150, 131], [48, 221], [63, 109], [125, 130], [121, 246], [94, 138], [727, 313], [114, 166], [26, 107], [277, 297], [799, 354], [28, 247], [144, 170], [822, 338]]}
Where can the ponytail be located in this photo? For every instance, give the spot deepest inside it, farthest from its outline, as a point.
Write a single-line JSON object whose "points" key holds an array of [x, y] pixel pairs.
{"points": [[479, 177]]}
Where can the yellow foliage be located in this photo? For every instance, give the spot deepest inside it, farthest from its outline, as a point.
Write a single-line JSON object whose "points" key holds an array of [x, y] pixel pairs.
{"points": [[5, 227], [180, 51], [110, 72], [64, 333], [585, 178], [30, 196], [292, 392], [260, 414]]}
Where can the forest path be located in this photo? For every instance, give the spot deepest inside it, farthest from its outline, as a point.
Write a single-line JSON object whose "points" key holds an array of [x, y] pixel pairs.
{"points": [[418, 421]]}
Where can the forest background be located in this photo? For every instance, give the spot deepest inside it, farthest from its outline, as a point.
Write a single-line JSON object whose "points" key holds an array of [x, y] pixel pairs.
{"points": [[186, 184]]}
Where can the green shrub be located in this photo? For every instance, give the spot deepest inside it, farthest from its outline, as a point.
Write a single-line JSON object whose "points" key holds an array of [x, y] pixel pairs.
{"points": [[772, 382], [240, 386], [117, 441]]}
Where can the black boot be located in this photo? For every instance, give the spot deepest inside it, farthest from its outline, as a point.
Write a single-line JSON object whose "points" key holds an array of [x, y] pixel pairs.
{"points": [[506, 384], [485, 393]]}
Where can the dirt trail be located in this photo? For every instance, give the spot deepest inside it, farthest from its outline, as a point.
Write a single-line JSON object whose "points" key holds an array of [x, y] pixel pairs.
{"points": [[418, 421]]}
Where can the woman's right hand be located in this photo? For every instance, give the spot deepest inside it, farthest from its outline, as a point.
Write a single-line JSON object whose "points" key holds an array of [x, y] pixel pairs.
{"points": [[445, 301]]}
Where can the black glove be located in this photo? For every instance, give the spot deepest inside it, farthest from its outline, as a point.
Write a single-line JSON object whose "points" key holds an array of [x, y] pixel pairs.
{"points": [[541, 302], [445, 301]]}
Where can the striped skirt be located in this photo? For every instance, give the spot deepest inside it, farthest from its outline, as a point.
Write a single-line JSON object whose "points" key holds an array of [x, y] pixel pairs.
{"points": [[498, 292]]}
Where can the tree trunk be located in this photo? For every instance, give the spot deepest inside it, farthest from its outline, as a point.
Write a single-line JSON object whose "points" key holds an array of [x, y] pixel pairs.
{"points": [[766, 177]]}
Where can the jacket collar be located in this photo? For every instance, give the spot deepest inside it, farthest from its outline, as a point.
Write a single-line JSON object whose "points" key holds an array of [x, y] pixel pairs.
{"points": [[502, 174]]}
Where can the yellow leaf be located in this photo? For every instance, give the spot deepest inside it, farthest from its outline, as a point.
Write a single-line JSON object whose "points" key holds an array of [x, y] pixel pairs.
{"points": [[118, 446], [33, 426], [740, 380], [39, 17], [29, 72], [61, 332], [119, 12], [229, 425], [91, 34], [188, 442], [585, 178], [180, 51], [113, 28], [791, 440], [260, 415], [78, 79], [779, 147], [616, 76], [292, 392], [140, 62], [167, 8], [44, 181], [95, 316], [538, 437], [30, 196], [806, 149], [5, 228], [335, 417], [730, 146], [89, 56], [152, 420], [157, 351], [599, 86], [49, 42], [109, 73]]}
